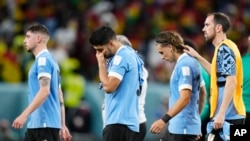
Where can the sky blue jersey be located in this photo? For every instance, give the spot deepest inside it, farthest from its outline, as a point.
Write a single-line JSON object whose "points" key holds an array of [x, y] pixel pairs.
{"points": [[186, 75], [121, 106], [47, 114]]}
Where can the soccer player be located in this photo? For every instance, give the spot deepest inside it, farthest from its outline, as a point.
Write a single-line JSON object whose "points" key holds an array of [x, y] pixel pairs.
{"points": [[183, 114], [142, 116], [45, 113], [121, 83], [226, 101]]}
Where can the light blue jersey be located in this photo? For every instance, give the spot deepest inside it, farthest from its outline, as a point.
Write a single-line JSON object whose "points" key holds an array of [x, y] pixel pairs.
{"points": [[186, 75], [121, 106], [48, 114]]}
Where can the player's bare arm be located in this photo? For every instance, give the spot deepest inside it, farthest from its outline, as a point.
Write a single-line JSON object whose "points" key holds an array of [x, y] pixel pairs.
{"points": [[41, 96], [230, 87], [38, 100], [184, 99], [64, 132], [44, 81], [202, 98]]}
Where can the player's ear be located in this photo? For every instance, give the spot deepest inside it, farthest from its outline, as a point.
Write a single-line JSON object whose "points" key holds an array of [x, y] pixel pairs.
{"points": [[171, 47], [111, 42], [218, 27], [39, 38]]}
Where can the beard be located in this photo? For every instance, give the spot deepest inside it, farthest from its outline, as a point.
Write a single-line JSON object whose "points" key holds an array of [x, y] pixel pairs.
{"points": [[210, 38], [107, 56]]}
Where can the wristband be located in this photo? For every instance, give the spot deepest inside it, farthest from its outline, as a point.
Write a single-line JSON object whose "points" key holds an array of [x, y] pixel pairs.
{"points": [[166, 118]]}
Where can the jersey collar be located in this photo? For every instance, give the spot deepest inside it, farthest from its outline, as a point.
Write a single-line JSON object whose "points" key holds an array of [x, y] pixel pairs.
{"points": [[42, 51]]}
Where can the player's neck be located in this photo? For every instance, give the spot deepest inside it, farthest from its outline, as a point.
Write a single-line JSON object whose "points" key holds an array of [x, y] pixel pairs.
{"points": [[38, 49], [218, 39]]}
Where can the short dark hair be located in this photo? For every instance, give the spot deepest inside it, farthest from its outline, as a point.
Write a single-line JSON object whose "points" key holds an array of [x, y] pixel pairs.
{"points": [[37, 27], [223, 19], [102, 36], [171, 37]]}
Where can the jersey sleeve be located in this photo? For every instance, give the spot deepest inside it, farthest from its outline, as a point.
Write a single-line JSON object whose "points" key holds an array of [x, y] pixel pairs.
{"points": [[118, 67], [44, 67], [225, 62], [185, 81]]}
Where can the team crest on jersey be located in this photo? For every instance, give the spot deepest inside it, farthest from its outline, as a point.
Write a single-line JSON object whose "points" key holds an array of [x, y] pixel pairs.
{"points": [[117, 60], [185, 70], [41, 61]]}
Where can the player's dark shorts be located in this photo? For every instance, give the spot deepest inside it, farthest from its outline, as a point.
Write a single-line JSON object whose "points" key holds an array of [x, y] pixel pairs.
{"points": [[177, 137], [143, 130], [247, 121], [182, 137], [42, 134], [118, 132]]}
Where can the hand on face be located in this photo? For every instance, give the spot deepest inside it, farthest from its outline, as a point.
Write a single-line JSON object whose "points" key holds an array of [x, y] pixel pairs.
{"points": [[100, 55]]}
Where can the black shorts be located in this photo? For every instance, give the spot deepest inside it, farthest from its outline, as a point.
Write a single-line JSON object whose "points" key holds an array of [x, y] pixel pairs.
{"points": [[143, 130], [42, 134], [118, 132], [247, 121], [177, 137], [182, 137]]}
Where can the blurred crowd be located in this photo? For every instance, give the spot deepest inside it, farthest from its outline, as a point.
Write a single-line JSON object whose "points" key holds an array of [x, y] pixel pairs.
{"points": [[71, 22]]}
